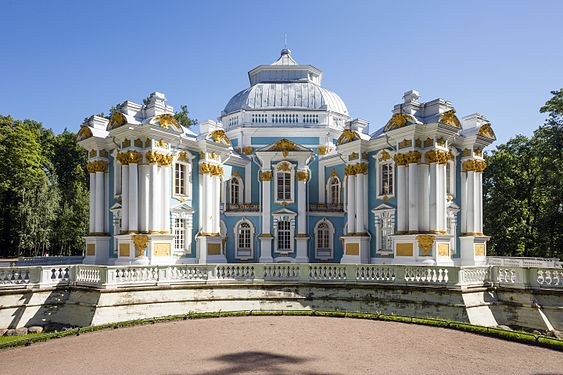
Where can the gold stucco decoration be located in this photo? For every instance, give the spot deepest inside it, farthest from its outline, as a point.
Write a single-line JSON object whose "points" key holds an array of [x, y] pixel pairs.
{"points": [[284, 166], [353, 156], [284, 145], [247, 150], [84, 133], [97, 166], [384, 155], [400, 159], [398, 120], [474, 165], [219, 136], [441, 142], [405, 143], [116, 120], [437, 156], [266, 176], [348, 135], [126, 143], [183, 156], [302, 175], [322, 150], [104, 153], [162, 143], [93, 153], [412, 157], [140, 242], [138, 143], [129, 157], [428, 142], [212, 169], [449, 118], [165, 120], [487, 131], [425, 242]]}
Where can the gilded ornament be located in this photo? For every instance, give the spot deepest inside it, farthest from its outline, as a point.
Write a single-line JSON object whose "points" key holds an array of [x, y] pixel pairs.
{"points": [[302, 175], [284, 145], [353, 156], [437, 156], [165, 159], [466, 152], [138, 142], [425, 242], [266, 176], [212, 169], [405, 143], [93, 153], [412, 157], [398, 120], [349, 170], [361, 168], [219, 136], [400, 159], [322, 150], [348, 135], [183, 156], [235, 174], [441, 142], [478, 152], [333, 173], [165, 120], [284, 166], [487, 131], [140, 242], [148, 142], [104, 153], [449, 118], [384, 155], [126, 143], [247, 150], [417, 142], [474, 165], [129, 157], [84, 133], [152, 157], [428, 142], [116, 120], [161, 143], [365, 155], [97, 166]]}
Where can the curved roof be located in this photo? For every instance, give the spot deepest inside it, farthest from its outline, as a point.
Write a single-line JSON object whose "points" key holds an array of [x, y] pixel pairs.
{"points": [[285, 84], [290, 95]]}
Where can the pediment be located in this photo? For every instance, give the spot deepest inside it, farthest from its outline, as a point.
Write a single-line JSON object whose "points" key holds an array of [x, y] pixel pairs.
{"points": [[383, 207], [284, 145], [285, 212], [182, 208]]}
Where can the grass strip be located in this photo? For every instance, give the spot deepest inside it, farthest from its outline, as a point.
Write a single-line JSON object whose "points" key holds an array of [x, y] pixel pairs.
{"points": [[516, 336]]}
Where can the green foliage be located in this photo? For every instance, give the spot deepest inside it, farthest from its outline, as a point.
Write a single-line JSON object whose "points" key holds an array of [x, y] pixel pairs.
{"points": [[43, 191], [182, 116], [523, 194]]}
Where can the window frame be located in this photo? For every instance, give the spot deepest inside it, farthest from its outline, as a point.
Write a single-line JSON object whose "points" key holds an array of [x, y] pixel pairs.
{"points": [[240, 184], [236, 236], [385, 161], [382, 214], [330, 248], [329, 186], [285, 168], [187, 180]]}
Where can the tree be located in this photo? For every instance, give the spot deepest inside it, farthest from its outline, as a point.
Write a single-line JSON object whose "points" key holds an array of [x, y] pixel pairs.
{"points": [[182, 116]]}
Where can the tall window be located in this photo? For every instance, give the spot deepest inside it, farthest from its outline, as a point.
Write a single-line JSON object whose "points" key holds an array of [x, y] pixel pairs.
{"points": [[179, 234], [284, 186], [235, 191], [386, 232], [334, 190], [284, 235], [180, 175], [244, 240], [386, 179]]}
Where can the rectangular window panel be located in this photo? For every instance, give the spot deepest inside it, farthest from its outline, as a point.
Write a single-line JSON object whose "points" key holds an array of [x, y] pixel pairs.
{"points": [[179, 234]]}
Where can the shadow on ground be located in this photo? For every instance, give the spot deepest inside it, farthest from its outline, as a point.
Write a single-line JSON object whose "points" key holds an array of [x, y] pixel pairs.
{"points": [[264, 362]]}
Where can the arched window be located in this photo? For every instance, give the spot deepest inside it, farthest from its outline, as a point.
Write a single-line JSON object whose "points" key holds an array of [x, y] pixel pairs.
{"points": [[334, 190], [244, 233], [324, 240], [236, 191]]}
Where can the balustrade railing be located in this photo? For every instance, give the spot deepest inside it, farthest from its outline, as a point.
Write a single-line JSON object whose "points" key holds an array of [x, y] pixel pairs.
{"points": [[180, 274], [326, 207], [247, 207]]}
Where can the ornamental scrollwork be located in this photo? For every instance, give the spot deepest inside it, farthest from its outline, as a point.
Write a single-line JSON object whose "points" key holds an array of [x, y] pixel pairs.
{"points": [[398, 120], [97, 166], [129, 157], [474, 165], [449, 118], [219, 136], [348, 135], [437, 156], [140, 242], [487, 131], [165, 120], [212, 169], [266, 176], [117, 119], [284, 166], [425, 242], [284, 145], [302, 175]]}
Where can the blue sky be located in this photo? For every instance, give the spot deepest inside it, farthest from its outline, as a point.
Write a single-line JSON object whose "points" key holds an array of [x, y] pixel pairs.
{"points": [[61, 61]]}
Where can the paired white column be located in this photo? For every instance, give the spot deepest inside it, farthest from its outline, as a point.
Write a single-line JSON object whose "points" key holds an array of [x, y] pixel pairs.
{"points": [[361, 203], [154, 198], [302, 206], [165, 194], [351, 204], [402, 199], [125, 198], [248, 183], [144, 188], [208, 203], [423, 201], [470, 207], [92, 222], [99, 228], [266, 214], [433, 203], [413, 197], [479, 202], [216, 220], [133, 197]]}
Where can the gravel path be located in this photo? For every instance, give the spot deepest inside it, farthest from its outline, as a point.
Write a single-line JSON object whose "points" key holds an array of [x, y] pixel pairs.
{"points": [[280, 345]]}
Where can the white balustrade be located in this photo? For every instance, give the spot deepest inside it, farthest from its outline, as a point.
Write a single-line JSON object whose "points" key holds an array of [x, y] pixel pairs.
{"points": [[431, 275], [327, 272], [366, 273], [280, 272]]}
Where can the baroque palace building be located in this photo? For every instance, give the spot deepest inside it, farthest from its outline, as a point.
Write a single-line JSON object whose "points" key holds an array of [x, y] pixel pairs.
{"points": [[286, 175]]}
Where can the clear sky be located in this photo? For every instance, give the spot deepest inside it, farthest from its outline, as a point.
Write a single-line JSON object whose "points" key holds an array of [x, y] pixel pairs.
{"points": [[61, 61]]}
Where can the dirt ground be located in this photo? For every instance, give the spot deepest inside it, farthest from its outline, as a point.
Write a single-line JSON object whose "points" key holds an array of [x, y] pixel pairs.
{"points": [[280, 345]]}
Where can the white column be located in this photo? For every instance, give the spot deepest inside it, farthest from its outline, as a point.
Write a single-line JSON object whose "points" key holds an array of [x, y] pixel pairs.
{"points": [[470, 209], [266, 206], [248, 183], [99, 228], [106, 202], [423, 195], [166, 193], [208, 202], [125, 198], [413, 197], [442, 198], [351, 204], [361, 202], [301, 207], [144, 186], [133, 198], [479, 200], [116, 177], [154, 198], [463, 202], [92, 226], [216, 204], [433, 202], [402, 197]]}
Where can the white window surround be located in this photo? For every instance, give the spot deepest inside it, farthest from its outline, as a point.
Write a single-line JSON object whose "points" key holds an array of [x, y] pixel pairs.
{"points": [[325, 253], [289, 169], [384, 228], [286, 216], [384, 159], [185, 213], [187, 180], [236, 183], [248, 251], [333, 182]]}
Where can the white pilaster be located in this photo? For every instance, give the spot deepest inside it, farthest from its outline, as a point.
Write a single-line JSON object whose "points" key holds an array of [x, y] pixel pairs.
{"points": [[248, 183], [154, 198], [144, 187], [266, 237], [100, 187], [402, 197], [470, 208], [166, 193], [301, 238], [433, 202], [125, 198], [361, 203], [351, 204], [423, 201], [92, 222]]}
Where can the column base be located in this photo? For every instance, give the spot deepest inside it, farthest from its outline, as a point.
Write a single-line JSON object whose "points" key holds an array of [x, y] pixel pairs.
{"points": [[210, 249], [97, 250], [473, 250], [425, 249], [266, 249], [302, 255], [356, 250]]}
